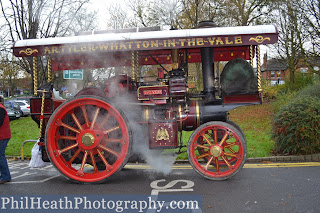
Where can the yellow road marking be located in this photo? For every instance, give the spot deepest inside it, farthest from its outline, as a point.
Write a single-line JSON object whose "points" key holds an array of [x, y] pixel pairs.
{"points": [[269, 165]]}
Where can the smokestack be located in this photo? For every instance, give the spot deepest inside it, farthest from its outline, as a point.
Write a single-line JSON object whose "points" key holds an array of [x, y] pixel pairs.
{"points": [[207, 59]]}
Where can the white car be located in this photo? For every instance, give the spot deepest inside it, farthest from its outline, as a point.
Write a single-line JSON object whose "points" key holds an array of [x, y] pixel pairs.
{"points": [[25, 107]]}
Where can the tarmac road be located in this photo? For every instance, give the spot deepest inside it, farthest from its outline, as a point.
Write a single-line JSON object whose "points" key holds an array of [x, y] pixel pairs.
{"points": [[279, 187]]}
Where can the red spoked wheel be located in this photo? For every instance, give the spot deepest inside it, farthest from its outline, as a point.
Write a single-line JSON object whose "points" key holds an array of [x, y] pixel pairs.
{"points": [[88, 139], [217, 150]]}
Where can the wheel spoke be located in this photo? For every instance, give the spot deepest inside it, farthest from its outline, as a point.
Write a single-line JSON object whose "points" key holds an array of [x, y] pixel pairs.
{"points": [[217, 165], [111, 130], [215, 133], [104, 121], [231, 150], [202, 146], [68, 148], [206, 139], [84, 160], [103, 158], [224, 138], [70, 128], [74, 156], [113, 140], [93, 161], [229, 154], [230, 145], [204, 155], [208, 163], [95, 118], [108, 150], [76, 121], [85, 115], [63, 137], [227, 162]]}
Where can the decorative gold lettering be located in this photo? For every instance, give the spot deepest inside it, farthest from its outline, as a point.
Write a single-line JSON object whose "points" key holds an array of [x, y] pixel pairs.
{"points": [[165, 43], [130, 44], [123, 46], [212, 40], [145, 44], [182, 42], [61, 49], [83, 49], [47, 50], [103, 46], [138, 43], [55, 49], [155, 43], [219, 41], [238, 40], [116, 46], [228, 42], [200, 41], [172, 43], [191, 42], [75, 49], [92, 48]]}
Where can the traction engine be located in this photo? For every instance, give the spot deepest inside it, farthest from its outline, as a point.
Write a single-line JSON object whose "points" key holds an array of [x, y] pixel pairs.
{"points": [[91, 136]]}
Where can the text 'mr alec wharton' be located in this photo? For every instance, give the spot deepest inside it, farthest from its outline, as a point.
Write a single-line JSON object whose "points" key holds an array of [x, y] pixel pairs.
{"points": [[116, 203]]}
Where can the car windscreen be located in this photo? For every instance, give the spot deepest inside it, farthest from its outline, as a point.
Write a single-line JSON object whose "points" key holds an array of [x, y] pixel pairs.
{"points": [[16, 106], [7, 105]]}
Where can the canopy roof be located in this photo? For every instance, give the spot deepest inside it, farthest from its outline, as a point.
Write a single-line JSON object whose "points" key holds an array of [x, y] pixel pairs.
{"points": [[222, 36], [109, 47]]}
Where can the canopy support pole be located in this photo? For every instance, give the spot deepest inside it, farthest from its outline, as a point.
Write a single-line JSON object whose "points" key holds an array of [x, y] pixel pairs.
{"points": [[35, 76]]}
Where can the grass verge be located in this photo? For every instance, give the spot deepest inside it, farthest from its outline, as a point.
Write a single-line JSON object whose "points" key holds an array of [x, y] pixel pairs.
{"points": [[22, 129], [255, 121]]}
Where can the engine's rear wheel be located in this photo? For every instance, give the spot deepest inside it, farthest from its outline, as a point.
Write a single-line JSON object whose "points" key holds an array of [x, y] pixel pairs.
{"points": [[88, 139], [223, 150]]}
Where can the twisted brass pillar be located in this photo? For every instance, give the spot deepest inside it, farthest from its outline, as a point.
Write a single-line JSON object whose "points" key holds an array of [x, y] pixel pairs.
{"points": [[35, 75]]}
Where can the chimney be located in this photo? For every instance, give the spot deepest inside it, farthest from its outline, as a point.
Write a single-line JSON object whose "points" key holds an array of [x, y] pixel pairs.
{"points": [[265, 59]]}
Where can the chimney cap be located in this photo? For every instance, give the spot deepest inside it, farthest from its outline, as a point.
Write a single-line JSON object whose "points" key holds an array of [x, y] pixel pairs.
{"points": [[206, 24]]}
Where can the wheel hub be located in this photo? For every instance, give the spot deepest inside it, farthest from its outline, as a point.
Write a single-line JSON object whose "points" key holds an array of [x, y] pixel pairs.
{"points": [[87, 139], [216, 151]]}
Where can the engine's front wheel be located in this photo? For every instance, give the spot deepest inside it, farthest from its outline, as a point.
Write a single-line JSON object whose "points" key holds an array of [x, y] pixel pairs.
{"points": [[217, 150], [88, 139]]}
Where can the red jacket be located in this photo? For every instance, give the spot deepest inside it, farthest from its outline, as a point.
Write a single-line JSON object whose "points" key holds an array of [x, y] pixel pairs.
{"points": [[5, 132]]}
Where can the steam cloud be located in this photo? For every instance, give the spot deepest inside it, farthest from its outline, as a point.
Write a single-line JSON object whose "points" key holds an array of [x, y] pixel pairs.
{"points": [[160, 162]]}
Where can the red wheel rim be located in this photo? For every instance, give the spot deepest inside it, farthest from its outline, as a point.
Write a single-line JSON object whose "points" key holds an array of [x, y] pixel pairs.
{"points": [[219, 157], [87, 139]]}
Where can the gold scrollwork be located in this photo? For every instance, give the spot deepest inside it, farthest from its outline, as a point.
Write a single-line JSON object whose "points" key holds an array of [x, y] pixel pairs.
{"points": [[259, 39], [28, 51], [162, 134]]}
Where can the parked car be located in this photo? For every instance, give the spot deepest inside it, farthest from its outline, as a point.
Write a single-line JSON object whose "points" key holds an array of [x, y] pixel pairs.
{"points": [[22, 98], [25, 107], [12, 113], [15, 106]]}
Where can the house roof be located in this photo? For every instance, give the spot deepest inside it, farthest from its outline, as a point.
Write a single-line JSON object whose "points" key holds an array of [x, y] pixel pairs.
{"points": [[275, 65]]}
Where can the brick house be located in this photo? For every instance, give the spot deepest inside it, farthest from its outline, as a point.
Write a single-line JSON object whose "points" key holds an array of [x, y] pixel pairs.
{"points": [[274, 70]]}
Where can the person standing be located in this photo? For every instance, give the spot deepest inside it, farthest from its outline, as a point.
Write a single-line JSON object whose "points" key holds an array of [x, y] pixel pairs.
{"points": [[5, 135]]}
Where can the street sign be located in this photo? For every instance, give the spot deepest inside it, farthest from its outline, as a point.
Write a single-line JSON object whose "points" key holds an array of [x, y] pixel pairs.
{"points": [[73, 74]]}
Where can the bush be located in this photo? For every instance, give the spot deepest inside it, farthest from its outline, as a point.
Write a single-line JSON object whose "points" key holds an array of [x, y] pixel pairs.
{"points": [[296, 126]]}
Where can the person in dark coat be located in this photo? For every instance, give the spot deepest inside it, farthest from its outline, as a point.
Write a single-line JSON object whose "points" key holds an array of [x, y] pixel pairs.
{"points": [[5, 135]]}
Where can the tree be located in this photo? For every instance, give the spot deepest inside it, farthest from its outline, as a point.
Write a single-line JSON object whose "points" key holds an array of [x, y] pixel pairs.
{"points": [[311, 11], [30, 19], [290, 46], [8, 75], [246, 12]]}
